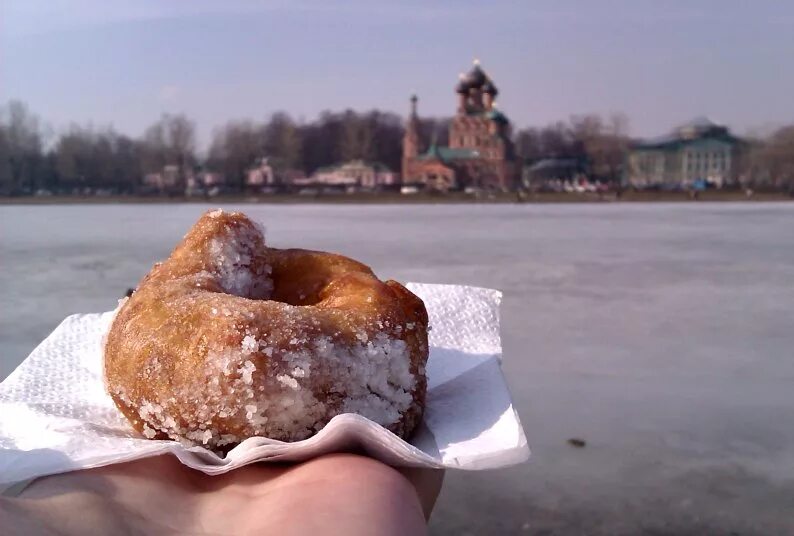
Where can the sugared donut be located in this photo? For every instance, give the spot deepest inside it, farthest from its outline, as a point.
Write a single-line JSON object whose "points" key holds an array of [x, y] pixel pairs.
{"points": [[229, 339]]}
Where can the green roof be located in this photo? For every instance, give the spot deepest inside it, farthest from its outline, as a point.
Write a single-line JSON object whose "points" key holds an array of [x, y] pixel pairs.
{"points": [[377, 166], [695, 131], [445, 154], [492, 114], [497, 116], [674, 142]]}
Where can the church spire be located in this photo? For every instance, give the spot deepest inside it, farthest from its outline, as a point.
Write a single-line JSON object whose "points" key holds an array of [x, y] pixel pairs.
{"points": [[411, 136]]}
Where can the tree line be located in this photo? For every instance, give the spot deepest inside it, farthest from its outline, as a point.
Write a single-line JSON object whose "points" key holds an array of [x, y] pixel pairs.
{"points": [[600, 144], [99, 158], [88, 157]]}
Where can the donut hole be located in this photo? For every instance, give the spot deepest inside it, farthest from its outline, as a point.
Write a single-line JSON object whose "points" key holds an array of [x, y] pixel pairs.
{"points": [[301, 277], [299, 290], [280, 287]]}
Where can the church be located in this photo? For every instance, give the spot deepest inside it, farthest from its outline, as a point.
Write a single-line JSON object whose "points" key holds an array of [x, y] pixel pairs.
{"points": [[480, 153]]}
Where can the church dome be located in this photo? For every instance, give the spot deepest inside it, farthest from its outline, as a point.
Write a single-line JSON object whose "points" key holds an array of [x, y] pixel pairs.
{"points": [[476, 76], [475, 79], [490, 88]]}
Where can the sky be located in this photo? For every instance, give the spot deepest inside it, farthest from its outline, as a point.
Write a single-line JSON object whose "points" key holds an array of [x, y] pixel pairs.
{"points": [[660, 62]]}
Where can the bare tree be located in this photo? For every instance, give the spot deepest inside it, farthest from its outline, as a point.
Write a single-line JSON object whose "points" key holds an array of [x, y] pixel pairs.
{"points": [[770, 160], [6, 177], [234, 149], [85, 157], [72, 154], [21, 143], [528, 145], [171, 141], [373, 136], [356, 141], [387, 134], [552, 141], [602, 143], [283, 141]]}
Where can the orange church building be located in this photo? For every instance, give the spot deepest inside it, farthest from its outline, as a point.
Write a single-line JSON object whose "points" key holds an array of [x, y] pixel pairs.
{"points": [[480, 152]]}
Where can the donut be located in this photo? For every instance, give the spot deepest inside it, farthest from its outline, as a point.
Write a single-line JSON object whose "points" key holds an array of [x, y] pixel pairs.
{"points": [[229, 339]]}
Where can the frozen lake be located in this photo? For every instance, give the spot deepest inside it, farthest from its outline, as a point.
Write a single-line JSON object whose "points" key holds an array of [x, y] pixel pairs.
{"points": [[662, 335]]}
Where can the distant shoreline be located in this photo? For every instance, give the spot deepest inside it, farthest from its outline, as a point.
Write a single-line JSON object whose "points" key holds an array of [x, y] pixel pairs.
{"points": [[394, 198]]}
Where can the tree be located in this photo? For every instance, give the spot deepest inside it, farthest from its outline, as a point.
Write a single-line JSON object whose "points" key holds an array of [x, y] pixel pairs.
{"points": [[171, 141], [234, 149], [434, 129], [85, 157], [6, 178], [528, 145], [387, 134], [356, 140], [374, 136], [604, 144], [127, 163], [770, 161], [551, 141], [598, 144], [319, 147], [72, 153], [781, 155], [282, 141], [20, 149]]}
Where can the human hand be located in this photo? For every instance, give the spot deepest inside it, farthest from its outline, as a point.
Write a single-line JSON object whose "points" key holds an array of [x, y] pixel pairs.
{"points": [[334, 494]]}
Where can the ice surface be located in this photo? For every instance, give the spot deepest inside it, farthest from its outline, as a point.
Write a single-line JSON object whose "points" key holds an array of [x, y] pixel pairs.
{"points": [[660, 334]]}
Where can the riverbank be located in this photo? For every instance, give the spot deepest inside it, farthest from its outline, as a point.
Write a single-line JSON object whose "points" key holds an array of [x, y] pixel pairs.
{"points": [[420, 198]]}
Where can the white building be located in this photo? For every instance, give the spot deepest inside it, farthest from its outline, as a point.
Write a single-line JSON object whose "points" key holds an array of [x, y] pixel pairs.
{"points": [[261, 175], [700, 151], [366, 175]]}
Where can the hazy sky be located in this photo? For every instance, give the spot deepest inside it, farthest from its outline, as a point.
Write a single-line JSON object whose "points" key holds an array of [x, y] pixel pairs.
{"points": [[660, 62]]}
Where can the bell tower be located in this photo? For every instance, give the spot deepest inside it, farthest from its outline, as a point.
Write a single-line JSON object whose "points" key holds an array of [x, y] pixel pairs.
{"points": [[411, 139]]}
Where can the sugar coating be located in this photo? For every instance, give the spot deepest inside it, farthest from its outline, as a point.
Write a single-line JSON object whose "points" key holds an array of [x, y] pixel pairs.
{"points": [[249, 344], [284, 379], [232, 253], [372, 379]]}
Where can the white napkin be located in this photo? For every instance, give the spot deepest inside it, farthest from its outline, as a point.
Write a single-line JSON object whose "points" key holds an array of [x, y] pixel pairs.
{"points": [[55, 415]]}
